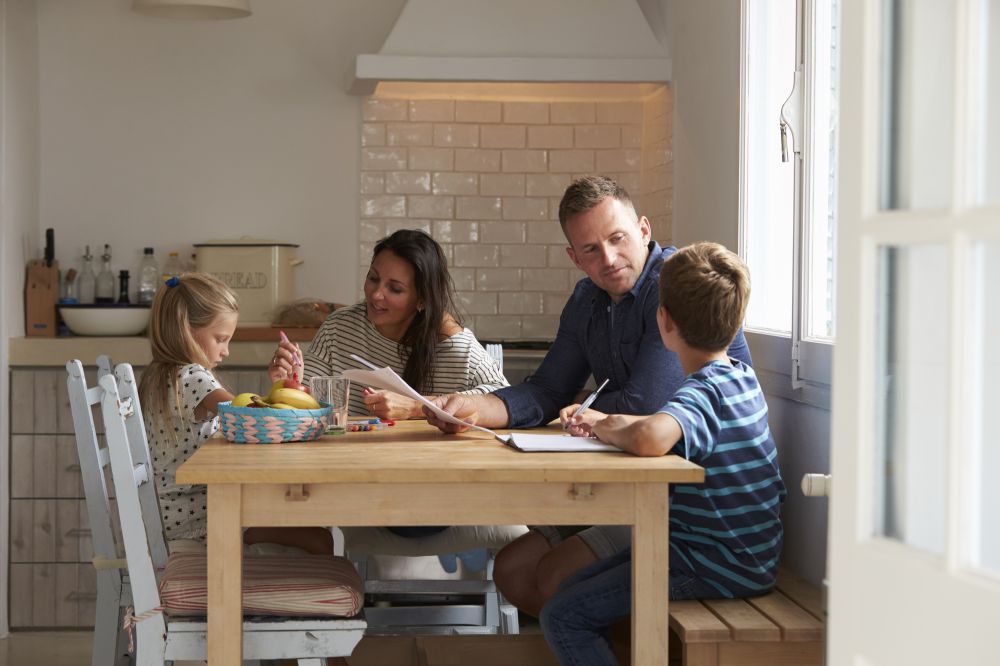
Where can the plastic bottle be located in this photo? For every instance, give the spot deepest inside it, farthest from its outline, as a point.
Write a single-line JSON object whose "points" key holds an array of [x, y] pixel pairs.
{"points": [[87, 279], [172, 267], [123, 287], [149, 277], [105, 279]]}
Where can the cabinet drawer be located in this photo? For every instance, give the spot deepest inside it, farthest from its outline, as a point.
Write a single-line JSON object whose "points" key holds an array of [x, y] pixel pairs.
{"points": [[52, 595], [49, 531]]}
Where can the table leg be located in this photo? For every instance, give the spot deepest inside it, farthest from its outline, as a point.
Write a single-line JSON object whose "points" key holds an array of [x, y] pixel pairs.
{"points": [[225, 575], [650, 575]]}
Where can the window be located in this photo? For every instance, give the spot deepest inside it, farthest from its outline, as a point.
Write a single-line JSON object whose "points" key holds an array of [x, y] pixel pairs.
{"points": [[788, 193]]}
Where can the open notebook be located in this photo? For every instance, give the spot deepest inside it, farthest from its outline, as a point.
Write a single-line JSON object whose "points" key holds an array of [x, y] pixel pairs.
{"points": [[386, 378]]}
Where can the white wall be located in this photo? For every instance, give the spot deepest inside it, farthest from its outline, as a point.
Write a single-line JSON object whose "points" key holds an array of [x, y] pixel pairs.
{"points": [[168, 133], [706, 64]]}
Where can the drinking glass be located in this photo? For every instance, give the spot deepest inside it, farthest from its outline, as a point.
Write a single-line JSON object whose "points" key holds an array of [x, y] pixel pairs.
{"points": [[335, 391]]}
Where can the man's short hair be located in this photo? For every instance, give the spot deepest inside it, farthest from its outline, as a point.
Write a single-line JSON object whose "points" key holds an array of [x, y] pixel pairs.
{"points": [[705, 288], [586, 193]]}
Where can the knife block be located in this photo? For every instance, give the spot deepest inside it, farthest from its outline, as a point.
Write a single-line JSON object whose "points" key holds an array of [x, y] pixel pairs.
{"points": [[41, 291]]}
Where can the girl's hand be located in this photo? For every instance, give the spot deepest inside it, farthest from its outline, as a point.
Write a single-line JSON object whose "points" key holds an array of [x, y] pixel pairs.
{"points": [[581, 425], [389, 405], [287, 360]]}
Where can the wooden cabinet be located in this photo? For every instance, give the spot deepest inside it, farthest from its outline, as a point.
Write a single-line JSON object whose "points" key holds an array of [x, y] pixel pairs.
{"points": [[52, 582]]}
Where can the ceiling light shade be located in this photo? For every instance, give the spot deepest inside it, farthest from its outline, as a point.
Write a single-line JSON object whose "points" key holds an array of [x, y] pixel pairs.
{"points": [[193, 9]]}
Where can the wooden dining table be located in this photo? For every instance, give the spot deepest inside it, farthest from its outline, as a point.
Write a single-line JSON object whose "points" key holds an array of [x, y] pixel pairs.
{"points": [[412, 474]]}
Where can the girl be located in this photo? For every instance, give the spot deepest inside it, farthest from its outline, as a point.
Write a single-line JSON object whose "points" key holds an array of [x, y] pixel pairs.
{"points": [[407, 322], [193, 319]]}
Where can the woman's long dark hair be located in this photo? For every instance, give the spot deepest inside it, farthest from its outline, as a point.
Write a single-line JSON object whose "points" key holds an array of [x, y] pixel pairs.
{"points": [[435, 288]]}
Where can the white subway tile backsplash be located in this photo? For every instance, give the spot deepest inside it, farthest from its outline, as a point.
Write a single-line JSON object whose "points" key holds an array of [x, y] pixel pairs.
{"points": [[383, 205], [392, 226], [525, 208], [525, 161], [489, 327], [523, 256], [544, 232], [463, 278], [432, 110], [383, 159], [558, 258], [553, 303], [383, 109], [550, 136], [502, 232], [478, 254], [407, 182], [521, 303], [477, 302], [432, 159], [373, 134], [547, 184], [453, 231], [469, 159], [372, 183], [449, 182], [571, 161], [572, 113], [456, 135], [431, 206], [474, 111], [622, 159], [619, 112], [631, 136], [478, 208], [409, 134], [539, 327], [371, 230], [547, 279], [502, 184], [526, 112], [598, 136], [498, 279], [503, 136]]}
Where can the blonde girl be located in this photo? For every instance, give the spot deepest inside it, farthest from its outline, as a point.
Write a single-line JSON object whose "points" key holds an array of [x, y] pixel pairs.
{"points": [[193, 319]]}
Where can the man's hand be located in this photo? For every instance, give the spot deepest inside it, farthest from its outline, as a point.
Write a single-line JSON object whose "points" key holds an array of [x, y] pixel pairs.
{"points": [[459, 406], [392, 406], [582, 424]]}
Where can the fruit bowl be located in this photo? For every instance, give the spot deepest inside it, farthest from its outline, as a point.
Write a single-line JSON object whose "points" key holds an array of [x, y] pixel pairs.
{"points": [[264, 425], [105, 319]]}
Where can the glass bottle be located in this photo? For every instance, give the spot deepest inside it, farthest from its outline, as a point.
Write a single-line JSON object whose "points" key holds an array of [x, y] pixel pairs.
{"points": [[88, 280], [149, 277], [172, 266], [105, 279], [123, 287]]}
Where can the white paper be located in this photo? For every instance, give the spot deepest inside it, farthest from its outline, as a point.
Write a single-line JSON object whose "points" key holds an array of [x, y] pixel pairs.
{"points": [[386, 378], [529, 441]]}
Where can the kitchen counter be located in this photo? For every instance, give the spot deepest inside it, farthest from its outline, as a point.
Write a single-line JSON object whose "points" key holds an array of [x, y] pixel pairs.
{"points": [[54, 352]]}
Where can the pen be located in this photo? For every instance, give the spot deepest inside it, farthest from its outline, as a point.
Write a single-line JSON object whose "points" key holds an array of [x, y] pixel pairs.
{"points": [[590, 399], [284, 338], [357, 358]]}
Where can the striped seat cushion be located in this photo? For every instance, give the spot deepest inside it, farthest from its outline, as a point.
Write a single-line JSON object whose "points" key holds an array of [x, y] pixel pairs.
{"points": [[290, 585]]}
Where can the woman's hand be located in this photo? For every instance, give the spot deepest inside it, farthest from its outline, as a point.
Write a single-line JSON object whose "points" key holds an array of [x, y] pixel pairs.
{"points": [[286, 361], [580, 425], [389, 405]]}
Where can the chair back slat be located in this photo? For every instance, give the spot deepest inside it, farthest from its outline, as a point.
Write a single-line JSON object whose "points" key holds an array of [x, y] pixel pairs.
{"points": [[141, 571], [135, 429], [93, 459]]}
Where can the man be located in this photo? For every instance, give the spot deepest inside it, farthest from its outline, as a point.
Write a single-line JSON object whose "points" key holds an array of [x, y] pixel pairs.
{"points": [[607, 329]]}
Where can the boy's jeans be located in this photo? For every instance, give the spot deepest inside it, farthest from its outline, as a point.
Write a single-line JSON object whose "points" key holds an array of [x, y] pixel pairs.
{"points": [[587, 603]]}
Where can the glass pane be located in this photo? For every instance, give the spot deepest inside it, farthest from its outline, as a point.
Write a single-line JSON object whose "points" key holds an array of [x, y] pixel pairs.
{"points": [[912, 381], [918, 115], [822, 218], [990, 31], [987, 499], [768, 197]]}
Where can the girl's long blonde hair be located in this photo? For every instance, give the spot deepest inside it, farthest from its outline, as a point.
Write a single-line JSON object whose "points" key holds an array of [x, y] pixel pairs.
{"points": [[193, 302]]}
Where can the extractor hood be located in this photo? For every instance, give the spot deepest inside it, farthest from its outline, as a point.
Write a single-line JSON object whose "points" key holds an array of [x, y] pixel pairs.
{"points": [[521, 40]]}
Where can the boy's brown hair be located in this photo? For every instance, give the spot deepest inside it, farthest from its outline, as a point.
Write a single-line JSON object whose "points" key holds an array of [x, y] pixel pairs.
{"points": [[585, 193], [705, 288]]}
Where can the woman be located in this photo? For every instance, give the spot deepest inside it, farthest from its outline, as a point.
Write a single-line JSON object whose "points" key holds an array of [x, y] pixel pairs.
{"points": [[406, 322]]}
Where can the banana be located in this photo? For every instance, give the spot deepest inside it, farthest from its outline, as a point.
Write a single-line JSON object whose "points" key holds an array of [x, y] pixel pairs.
{"points": [[280, 405], [244, 399], [294, 397]]}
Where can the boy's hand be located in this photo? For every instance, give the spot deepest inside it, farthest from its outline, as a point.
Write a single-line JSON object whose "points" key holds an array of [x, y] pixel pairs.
{"points": [[582, 424], [610, 429]]}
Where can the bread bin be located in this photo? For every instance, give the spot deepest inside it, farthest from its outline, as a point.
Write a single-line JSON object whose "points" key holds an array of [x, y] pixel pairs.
{"points": [[261, 272]]}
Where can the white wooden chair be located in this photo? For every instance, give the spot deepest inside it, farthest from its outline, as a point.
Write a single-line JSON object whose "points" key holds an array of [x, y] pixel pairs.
{"points": [[113, 591], [495, 350], [161, 638]]}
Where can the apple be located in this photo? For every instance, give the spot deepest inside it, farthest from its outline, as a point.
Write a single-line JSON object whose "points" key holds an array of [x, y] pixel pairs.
{"points": [[293, 382]]}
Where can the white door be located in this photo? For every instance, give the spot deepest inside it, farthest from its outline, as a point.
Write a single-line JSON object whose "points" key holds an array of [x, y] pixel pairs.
{"points": [[915, 514]]}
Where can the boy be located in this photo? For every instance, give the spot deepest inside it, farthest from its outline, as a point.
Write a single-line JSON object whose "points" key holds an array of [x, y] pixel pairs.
{"points": [[725, 534]]}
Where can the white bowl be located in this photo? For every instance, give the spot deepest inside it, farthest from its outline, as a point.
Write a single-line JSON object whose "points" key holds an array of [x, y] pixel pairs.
{"points": [[105, 319]]}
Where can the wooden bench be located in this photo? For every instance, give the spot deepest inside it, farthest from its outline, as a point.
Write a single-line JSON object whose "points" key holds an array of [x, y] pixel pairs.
{"points": [[784, 628]]}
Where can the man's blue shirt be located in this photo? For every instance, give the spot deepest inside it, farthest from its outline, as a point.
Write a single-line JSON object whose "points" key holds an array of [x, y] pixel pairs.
{"points": [[616, 341]]}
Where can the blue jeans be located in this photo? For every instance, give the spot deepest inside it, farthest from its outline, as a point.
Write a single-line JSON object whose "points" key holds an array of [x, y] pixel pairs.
{"points": [[574, 621]]}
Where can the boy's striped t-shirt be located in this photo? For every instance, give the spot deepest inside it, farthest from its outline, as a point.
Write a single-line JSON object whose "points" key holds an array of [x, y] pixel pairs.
{"points": [[727, 530]]}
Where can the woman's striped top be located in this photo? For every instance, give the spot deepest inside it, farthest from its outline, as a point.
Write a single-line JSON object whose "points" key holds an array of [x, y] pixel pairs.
{"points": [[461, 365], [727, 530]]}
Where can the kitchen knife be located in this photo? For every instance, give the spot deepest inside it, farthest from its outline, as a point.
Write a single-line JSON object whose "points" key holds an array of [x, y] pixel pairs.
{"points": [[50, 246]]}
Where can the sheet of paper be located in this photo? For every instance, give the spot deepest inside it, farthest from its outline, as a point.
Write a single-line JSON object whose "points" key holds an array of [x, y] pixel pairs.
{"points": [[386, 378], [529, 441]]}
